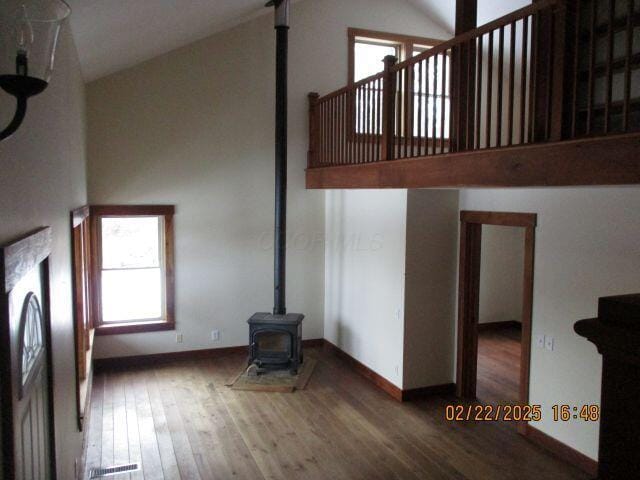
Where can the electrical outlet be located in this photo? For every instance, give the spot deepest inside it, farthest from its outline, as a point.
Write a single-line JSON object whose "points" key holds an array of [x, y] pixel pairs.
{"points": [[540, 341], [548, 343], [215, 335], [178, 338]]}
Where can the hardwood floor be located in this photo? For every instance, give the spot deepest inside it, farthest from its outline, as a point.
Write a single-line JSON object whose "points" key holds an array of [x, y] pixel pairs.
{"points": [[498, 365], [181, 422]]}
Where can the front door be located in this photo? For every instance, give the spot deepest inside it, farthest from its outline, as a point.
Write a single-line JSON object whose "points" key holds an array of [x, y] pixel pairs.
{"points": [[27, 428]]}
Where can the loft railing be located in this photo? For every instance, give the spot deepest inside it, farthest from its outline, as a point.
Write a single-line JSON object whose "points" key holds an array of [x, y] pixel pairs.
{"points": [[554, 70]]}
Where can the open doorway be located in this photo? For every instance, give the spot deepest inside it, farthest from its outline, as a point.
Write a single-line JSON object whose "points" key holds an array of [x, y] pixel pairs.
{"points": [[502, 341], [500, 314]]}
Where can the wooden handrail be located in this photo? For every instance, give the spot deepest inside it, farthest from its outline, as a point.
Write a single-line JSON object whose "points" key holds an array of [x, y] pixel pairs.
{"points": [[480, 31], [513, 81]]}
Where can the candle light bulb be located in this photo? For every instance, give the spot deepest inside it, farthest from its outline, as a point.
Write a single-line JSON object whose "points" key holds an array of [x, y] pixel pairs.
{"points": [[23, 31], [24, 38]]}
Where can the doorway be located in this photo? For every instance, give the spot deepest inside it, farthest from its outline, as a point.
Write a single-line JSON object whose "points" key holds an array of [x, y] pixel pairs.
{"points": [[472, 223]]}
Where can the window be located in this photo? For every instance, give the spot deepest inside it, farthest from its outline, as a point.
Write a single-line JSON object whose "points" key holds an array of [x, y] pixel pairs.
{"points": [[133, 271], [368, 48]]}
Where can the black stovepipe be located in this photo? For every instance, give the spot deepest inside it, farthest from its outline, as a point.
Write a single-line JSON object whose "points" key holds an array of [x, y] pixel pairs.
{"points": [[280, 251]]}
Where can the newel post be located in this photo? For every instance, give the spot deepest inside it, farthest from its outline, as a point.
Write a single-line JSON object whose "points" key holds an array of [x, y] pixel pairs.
{"points": [[312, 159], [388, 108]]}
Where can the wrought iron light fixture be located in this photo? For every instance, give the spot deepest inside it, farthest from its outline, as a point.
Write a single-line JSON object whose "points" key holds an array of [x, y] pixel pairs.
{"points": [[28, 40]]}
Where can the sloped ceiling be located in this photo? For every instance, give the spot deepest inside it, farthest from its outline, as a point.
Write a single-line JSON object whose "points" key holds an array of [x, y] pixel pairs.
{"points": [[115, 34], [442, 12]]}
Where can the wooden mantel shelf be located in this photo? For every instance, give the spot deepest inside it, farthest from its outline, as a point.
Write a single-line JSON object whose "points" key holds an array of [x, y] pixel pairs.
{"points": [[610, 160]]}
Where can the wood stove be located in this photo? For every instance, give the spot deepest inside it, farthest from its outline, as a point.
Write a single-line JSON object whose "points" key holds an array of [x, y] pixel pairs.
{"points": [[275, 341]]}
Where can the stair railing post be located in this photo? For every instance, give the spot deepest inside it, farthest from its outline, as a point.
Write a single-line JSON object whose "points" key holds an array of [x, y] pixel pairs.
{"points": [[388, 108], [558, 87], [312, 154]]}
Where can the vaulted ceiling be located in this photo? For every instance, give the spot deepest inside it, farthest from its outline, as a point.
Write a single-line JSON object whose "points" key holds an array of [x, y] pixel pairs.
{"points": [[115, 34]]}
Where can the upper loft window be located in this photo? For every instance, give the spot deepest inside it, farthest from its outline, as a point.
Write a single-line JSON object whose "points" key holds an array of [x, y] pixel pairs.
{"points": [[134, 271], [367, 49]]}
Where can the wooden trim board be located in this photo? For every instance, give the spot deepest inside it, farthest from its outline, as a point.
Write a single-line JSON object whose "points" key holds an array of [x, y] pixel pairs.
{"points": [[562, 451], [494, 326], [378, 380], [469, 298], [103, 364], [611, 160], [385, 385]]}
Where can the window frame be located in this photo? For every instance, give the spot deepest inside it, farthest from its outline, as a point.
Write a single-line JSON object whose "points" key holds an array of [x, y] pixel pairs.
{"points": [[404, 43], [82, 306], [97, 212]]}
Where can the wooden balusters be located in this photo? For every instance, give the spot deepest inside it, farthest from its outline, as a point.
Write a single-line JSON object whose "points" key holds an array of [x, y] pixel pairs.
{"points": [[489, 121], [627, 65], [523, 80], [609, 67], [446, 55], [592, 64], [500, 84], [512, 72], [471, 93]]}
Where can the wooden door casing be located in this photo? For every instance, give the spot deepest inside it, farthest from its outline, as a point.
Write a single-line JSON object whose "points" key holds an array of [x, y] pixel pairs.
{"points": [[25, 342]]}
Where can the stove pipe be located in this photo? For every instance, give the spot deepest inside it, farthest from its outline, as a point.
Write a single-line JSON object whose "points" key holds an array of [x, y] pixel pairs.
{"points": [[280, 243]]}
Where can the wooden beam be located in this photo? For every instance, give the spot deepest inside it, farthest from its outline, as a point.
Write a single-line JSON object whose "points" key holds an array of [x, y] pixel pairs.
{"points": [[611, 160], [463, 76], [466, 16]]}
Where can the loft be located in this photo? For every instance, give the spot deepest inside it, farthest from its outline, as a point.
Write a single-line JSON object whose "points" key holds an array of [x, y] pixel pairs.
{"points": [[547, 95]]}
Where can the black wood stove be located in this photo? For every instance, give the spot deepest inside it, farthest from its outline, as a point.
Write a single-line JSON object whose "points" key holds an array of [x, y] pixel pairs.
{"points": [[275, 340]]}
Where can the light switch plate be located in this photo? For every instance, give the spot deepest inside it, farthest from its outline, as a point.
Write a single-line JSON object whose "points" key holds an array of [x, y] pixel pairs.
{"points": [[540, 341], [215, 335]]}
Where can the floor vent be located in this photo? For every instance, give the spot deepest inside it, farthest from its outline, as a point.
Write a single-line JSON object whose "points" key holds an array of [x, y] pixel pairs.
{"points": [[101, 472]]}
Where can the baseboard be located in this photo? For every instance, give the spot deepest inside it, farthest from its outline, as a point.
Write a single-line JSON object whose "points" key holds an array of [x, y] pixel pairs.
{"points": [[490, 326], [426, 392], [104, 364], [365, 371], [562, 451], [119, 363], [384, 384]]}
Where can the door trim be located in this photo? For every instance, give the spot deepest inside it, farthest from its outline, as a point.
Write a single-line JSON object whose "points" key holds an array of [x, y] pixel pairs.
{"points": [[469, 297], [18, 258]]}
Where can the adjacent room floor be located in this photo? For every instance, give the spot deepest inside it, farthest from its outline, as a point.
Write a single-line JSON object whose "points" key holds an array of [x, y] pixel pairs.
{"points": [[499, 365], [181, 422]]}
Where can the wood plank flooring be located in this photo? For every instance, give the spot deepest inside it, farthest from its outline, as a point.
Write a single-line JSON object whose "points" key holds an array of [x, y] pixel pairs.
{"points": [[180, 422], [499, 365]]}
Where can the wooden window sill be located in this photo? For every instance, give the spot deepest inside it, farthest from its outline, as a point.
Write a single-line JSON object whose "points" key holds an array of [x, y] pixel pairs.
{"points": [[134, 327]]}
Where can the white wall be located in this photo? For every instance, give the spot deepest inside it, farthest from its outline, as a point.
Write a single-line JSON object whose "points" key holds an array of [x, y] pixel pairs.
{"points": [[390, 281], [364, 277], [431, 286], [43, 179], [195, 128], [501, 274], [586, 247]]}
